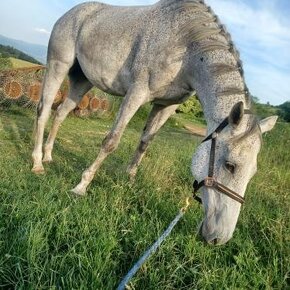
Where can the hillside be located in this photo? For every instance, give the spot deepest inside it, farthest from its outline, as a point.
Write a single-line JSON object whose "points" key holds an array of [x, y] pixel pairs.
{"points": [[11, 52], [35, 50], [19, 63]]}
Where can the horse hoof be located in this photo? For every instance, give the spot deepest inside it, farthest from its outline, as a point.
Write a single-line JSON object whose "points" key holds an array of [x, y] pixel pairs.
{"points": [[78, 191], [38, 170]]}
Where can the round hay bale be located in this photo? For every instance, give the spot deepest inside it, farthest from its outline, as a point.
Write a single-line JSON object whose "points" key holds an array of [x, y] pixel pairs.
{"points": [[13, 89], [95, 104], [105, 105], [34, 92], [84, 102], [58, 97]]}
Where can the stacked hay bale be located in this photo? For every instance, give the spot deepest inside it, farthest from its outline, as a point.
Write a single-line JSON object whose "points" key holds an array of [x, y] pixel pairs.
{"points": [[23, 87]]}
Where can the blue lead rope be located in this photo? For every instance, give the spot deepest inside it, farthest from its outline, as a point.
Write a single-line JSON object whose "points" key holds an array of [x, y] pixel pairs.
{"points": [[151, 250]]}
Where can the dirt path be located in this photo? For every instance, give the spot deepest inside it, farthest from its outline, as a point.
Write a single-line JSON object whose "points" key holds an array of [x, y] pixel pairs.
{"points": [[195, 129]]}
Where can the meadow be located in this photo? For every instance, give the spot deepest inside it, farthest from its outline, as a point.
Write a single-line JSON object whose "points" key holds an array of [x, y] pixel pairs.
{"points": [[19, 63], [50, 239]]}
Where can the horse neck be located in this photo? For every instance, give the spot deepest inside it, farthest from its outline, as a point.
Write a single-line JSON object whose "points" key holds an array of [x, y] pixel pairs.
{"points": [[219, 92], [212, 61]]}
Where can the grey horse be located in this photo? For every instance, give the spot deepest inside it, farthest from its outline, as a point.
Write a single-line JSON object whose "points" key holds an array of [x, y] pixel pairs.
{"points": [[161, 54]]}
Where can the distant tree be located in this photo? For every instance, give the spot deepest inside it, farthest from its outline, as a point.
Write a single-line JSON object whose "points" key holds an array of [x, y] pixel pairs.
{"points": [[263, 110], [284, 111], [255, 99]]}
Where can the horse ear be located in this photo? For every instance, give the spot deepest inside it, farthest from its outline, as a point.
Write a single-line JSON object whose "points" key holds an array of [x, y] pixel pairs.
{"points": [[236, 114], [268, 123]]}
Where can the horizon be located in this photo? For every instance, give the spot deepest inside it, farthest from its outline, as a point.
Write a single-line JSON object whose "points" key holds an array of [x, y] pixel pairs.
{"points": [[259, 31]]}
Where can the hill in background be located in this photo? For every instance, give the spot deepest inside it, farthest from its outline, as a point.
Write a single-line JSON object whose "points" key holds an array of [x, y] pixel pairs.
{"points": [[37, 51], [11, 52], [19, 63]]}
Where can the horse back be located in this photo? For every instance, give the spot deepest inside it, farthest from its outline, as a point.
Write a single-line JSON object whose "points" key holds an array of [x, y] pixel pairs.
{"points": [[116, 46]]}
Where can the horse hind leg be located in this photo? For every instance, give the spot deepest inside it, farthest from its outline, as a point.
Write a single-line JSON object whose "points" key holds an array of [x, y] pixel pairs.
{"points": [[79, 85], [54, 76]]}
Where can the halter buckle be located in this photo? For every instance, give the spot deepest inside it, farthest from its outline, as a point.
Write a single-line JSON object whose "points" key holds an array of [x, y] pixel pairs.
{"points": [[209, 181]]}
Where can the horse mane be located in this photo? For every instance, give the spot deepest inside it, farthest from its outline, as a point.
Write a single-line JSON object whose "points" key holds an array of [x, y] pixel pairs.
{"points": [[209, 34]]}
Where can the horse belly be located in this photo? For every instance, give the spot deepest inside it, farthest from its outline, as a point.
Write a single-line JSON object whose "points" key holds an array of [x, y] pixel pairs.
{"points": [[103, 73]]}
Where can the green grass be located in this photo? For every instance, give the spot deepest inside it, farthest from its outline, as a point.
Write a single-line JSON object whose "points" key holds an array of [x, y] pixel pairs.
{"points": [[52, 240], [19, 63]]}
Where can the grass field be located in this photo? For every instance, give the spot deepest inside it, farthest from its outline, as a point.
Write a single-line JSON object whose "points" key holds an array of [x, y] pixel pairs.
{"points": [[52, 240], [19, 63]]}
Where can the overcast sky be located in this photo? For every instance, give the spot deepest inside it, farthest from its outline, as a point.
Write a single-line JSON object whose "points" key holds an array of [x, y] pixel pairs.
{"points": [[260, 29]]}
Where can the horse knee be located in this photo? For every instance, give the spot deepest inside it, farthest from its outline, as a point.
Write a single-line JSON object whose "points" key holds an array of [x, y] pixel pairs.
{"points": [[145, 142], [143, 146], [61, 112], [110, 143], [58, 112]]}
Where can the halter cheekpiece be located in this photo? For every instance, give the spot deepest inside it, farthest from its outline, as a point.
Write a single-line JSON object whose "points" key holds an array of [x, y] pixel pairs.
{"points": [[210, 180]]}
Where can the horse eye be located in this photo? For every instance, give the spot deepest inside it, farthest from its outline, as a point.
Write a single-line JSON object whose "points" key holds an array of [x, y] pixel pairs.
{"points": [[230, 167]]}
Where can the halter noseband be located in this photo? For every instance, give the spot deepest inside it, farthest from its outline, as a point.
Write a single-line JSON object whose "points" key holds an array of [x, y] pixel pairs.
{"points": [[210, 181]]}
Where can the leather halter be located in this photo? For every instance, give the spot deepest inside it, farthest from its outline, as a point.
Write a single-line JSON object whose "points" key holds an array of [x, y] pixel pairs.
{"points": [[210, 180]]}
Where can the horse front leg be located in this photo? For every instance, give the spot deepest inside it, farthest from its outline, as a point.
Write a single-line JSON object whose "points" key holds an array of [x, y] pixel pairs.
{"points": [[157, 118], [135, 98]]}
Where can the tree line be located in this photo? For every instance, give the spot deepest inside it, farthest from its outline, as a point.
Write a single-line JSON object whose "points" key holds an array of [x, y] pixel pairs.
{"points": [[192, 107], [266, 110]]}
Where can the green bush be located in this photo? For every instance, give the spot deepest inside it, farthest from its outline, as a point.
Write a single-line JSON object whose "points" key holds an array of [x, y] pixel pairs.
{"points": [[284, 111], [191, 106], [265, 110]]}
